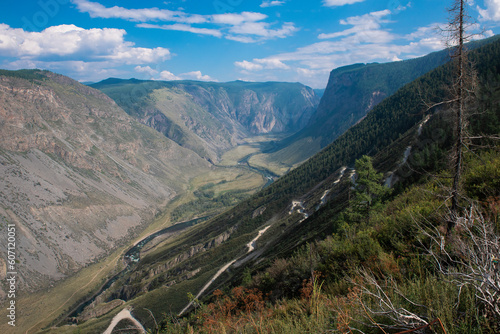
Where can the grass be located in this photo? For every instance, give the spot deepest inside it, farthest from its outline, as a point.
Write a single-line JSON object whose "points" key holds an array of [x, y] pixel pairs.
{"points": [[282, 161], [253, 145], [229, 179], [231, 157]]}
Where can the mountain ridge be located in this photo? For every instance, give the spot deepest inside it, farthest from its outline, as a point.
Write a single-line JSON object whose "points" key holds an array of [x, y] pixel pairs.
{"points": [[218, 115]]}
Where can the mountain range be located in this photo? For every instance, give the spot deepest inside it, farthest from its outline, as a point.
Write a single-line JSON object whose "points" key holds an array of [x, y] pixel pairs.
{"points": [[404, 137], [85, 169]]}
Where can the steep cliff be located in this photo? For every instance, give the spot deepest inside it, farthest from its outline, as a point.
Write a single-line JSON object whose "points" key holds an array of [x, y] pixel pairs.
{"points": [[352, 91]]}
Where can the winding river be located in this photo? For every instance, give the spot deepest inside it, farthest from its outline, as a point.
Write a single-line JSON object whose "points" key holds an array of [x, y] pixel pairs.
{"points": [[131, 257]]}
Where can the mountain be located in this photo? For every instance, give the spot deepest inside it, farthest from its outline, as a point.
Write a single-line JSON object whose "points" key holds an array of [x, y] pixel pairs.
{"points": [[352, 91], [209, 118], [250, 242], [78, 176]]}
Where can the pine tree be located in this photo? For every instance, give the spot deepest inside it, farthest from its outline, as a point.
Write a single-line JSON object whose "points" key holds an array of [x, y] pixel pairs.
{"points": [[368, 190]]}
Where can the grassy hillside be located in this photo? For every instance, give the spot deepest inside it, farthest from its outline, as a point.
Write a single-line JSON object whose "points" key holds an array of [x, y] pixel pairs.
{"points": [[374, 276], [313, 225]]}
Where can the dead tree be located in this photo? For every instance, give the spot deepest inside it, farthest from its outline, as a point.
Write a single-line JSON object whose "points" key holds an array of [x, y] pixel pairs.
{"points": [[470, 257], [386, 299], [462, 89]]}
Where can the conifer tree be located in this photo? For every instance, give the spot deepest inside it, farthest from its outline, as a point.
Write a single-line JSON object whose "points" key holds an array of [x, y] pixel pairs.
{"points": [[368, 190]]}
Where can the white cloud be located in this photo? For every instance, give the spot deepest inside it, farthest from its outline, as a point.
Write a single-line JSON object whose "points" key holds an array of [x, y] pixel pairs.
{"points": [[272, 63], [196, 75], [235, 19], [364, 27], [69, 42], [260, 64], [248, 65], [146, 69], [492, 11], [263, 31], [168, 76], [132, 56], [241, 27], [241, 39], [95, 9], [335, 3], [182, 27], [273, 3]]}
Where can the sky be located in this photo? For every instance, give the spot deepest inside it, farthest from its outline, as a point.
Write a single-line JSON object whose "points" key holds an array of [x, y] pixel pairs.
{"points": [[224, 40]]}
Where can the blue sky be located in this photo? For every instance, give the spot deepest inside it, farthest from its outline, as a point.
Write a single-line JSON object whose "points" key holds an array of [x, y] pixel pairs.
{"points": [[223, 40]]}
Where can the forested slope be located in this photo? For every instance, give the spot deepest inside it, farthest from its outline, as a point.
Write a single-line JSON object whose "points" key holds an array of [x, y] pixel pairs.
{"points": [[313, 225]]}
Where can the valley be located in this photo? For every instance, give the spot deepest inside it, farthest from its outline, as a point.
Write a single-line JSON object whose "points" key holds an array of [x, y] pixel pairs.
{"points": [[149, 200], [94, 174], [64, 300]]}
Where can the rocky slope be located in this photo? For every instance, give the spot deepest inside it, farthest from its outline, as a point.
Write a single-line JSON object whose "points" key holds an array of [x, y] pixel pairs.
{"points": [[77, 174], [209, 118]]}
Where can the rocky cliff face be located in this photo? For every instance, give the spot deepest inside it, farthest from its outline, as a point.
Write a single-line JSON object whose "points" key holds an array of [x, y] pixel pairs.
{"points": [[264, 111], [77, 174], [352, 91], [209, 118]]}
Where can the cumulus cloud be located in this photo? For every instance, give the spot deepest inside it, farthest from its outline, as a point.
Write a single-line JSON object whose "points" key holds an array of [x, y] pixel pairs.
{"points": [[491, 12], [335, 3], [248, 65], [69, 42], [146, 69], [86, 54], [168, 76], [196, 75]]}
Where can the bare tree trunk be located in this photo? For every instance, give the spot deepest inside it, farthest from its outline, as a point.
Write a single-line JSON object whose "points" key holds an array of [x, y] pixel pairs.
{"points": [[457, 27]]}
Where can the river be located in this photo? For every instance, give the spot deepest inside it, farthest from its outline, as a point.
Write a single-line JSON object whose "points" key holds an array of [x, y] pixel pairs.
{"points": [[131, 257]]}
